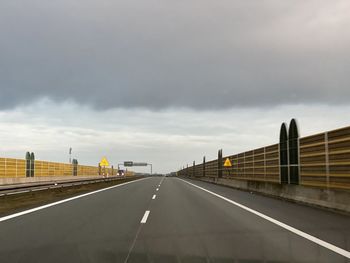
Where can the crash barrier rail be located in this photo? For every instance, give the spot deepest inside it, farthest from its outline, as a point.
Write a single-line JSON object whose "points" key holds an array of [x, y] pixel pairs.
{"points": [[321, 160], [38, 186]]}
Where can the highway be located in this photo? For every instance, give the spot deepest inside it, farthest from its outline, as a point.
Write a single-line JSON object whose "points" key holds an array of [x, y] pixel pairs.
{"points": [[165, 219]]}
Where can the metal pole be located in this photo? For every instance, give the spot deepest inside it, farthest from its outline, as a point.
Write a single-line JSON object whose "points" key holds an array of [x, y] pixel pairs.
{"points": [[327, 158], [70, 155]]}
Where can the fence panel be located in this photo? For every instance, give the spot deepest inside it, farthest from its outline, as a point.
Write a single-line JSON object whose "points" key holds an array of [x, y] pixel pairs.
{"points": [[10, 167], [324, 161]]}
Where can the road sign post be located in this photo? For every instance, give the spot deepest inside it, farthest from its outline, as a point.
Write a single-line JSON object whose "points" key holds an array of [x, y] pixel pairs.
{"points": [[228, 165], [104, 163]]}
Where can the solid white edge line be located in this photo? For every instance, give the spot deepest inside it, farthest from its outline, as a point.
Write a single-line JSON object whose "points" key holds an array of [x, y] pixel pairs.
{"points": [[298, 232], [145, 216], [2, 219], [154, 197]]}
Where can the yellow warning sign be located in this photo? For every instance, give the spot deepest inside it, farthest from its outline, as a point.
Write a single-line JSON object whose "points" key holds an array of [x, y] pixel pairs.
{"points": [[104, 162], [227, 163]]}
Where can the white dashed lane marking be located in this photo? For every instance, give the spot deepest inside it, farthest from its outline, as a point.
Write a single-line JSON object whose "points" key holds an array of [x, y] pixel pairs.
{"points": [[145, 216]]}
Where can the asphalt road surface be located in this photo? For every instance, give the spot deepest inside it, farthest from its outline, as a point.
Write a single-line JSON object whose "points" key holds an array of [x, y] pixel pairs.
{"points": [[171, 220]]}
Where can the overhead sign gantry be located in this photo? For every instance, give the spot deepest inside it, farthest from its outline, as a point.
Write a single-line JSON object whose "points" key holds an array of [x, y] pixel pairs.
{"points": [[133, 164]]}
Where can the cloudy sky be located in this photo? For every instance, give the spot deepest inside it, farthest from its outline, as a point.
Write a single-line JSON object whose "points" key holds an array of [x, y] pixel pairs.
{"points": [[166, 81]]}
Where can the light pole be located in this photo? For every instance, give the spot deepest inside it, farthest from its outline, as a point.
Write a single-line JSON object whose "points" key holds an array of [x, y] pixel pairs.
{"points": [[70, 155]]}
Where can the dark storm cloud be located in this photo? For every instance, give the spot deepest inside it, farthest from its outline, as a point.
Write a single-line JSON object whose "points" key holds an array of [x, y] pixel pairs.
{"points": [[158, 53]]}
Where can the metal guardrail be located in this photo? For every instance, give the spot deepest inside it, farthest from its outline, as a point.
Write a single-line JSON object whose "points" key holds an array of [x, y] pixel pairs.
{"points": [[40, 186]]}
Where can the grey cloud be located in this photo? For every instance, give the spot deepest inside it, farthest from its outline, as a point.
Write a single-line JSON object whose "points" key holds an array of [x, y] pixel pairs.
{"points": [[168, 138], [157, 54]]}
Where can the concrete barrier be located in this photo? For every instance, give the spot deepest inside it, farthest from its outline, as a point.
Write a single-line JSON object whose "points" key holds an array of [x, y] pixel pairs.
{"points": [[327, 198]]}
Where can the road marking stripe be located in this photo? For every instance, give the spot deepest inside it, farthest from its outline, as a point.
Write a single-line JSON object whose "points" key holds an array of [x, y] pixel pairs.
{"points": [[19, 192], [157, 189], [154, 197], [298, 232], [41, 189], [145, 216], [161, 181], [64, 201]]}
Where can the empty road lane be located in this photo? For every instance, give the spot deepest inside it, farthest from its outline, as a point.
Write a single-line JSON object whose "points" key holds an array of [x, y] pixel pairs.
{"points": [[171, 220]]}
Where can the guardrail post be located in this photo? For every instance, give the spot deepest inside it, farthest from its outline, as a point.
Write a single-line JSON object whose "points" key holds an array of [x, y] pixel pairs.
{"points": [[194, 169], [75, 167], [28, 164], [32, 164], [327, 158], [220, 163], [99, 169], [203, 166], [293, 143], [283, 152]]}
